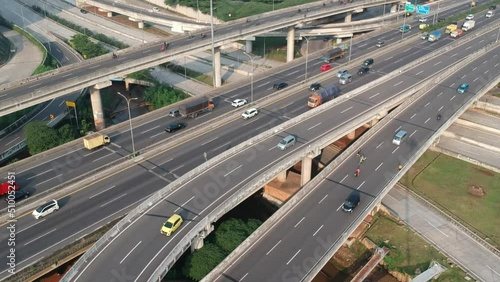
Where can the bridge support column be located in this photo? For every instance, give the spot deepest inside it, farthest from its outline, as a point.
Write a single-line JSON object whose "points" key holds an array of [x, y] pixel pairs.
{"points": [[281, 177], [140, 24], [290, 43], [372, 122], [306, 170], [381, 115], [248, 46], [394, 8], [198, 242], [339, 40], [95, 100], [348, 18], [351, 135], [109, 14], [217, 67]]}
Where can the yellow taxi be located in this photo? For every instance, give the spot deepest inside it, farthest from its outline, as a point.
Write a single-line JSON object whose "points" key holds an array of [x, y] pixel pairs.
{"points": [[171, 225]]}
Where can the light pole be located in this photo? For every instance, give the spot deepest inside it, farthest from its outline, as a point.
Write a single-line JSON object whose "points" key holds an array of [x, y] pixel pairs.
{"points": [[498, 34], [251, 78], [307, 52], [130, 121], [350, 45], [213, 47]]}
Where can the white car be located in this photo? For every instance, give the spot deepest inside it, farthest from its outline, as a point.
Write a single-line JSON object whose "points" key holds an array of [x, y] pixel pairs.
{"points": [[46, 209], [238, 102], [250, 113], [489, 14], [422, 20], [469, 17]]}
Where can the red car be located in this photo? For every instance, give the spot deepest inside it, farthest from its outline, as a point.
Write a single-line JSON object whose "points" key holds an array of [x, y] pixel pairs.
{"points": [[325, 67]]}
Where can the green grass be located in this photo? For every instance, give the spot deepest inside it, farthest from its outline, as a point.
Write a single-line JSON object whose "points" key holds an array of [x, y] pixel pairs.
{"points": [[272, 48], [191, 73], [444, 181], [408, 250]]}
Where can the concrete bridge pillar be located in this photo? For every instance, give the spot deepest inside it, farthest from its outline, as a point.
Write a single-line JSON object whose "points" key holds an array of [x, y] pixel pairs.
{"points": [[290, 43], [372, 122], [217, 67], [95, 100], [394, 8], [351, 135], [109, 14], [198, 242], [339, 40], [306, 171], [348, 18], [248, 46], [281, 177], [140, 24], [381, 115]]}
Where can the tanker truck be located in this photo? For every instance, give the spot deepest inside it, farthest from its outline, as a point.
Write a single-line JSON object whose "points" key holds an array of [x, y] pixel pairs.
{"points": [[322, 96]]}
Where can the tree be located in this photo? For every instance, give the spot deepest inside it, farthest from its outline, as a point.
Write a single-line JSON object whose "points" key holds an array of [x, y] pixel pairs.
{"points": [[232, 232], [40, 137], [202, 261], [161, 95], [66, 133]]}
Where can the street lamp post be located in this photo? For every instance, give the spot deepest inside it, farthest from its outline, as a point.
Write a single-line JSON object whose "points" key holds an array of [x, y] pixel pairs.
{"points": [[307, 52], [498, 34], [350, 45], [213, 47], [130, 121], [251, 78]]}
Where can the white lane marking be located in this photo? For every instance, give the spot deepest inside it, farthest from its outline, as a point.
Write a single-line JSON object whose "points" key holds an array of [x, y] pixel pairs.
{"points": [[203, 115], [299, 222], [323, 199], [428, 103], [413, 116], [94, 67], [41, 173], [13, 140], [34, 85], [486, 71], [112, 153], [161, 177], [130, 251], [31, 225], [244, 276], [378, 146], [452, 84], [475, 79], [389, 58], [314, 126], [293, 257], [454, 55], [438, 229], [419, 72], [427, 120], [498, 274], [109, 202], [260, 85], [147, 130], [102, 192], [183, 204], [268, 252], [375, 95], [172, 170], [453, 97], [468, 48], [294, 72], [153, 136], [31, 241], [398, 83], [346, 110], [463, 76], [437, 63], [379, 166], [317, 230], [343, 179], [413, 133], [223, 145], [397, 129], [440, 108], [393, 151], [209, 141], [48, 179], [360, 185], [475, 68], [286, 105], [440, 93], [165, 162], [232, 170]]}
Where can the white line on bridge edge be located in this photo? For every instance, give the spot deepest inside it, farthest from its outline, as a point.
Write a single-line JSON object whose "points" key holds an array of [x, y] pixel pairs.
{"points": [[273, 247], [130, 251]]}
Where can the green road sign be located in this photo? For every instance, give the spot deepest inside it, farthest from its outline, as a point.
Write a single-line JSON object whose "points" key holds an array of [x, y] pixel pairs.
{"points": [[409, 7]]}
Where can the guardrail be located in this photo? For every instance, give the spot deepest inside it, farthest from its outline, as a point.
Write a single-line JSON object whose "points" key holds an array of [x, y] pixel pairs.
{"points": [[183, 179], [317, 267]]}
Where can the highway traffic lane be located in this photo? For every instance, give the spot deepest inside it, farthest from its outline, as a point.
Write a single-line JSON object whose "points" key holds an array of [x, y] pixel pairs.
{"points": [[81, 215], [382, 156], [476, 134], [467, 150]]}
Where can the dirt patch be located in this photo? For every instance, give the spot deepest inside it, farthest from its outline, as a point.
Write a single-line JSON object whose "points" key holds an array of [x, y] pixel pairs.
{"points": [[485, 172], [476, 191]]}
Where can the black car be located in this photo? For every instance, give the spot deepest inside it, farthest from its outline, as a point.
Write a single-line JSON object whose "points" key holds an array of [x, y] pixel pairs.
{"points": [[18, 195], [493, 7], [368, 62], [315, 86], [83, 11], [352, 201], [363, 70], [280, 85], [441, 19], [172, 127]]}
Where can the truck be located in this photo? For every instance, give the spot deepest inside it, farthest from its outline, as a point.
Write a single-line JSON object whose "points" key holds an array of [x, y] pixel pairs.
{"points": [[456, 33], [322, 96], [451, 28], [195, 107], [333, 54], [468, 25], [95, 140], [4, 187], [434, 36]]}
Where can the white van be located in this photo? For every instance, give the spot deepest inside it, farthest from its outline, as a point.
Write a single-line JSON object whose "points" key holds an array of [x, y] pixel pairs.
{"points": [[399, 137]]}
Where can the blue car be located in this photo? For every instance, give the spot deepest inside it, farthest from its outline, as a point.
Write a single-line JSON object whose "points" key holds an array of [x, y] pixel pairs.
{"points": [[463, 88]]}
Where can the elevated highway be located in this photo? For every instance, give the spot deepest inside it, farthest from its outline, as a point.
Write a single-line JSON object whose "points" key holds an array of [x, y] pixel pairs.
{"points": [[34, 90], [222, 182]]}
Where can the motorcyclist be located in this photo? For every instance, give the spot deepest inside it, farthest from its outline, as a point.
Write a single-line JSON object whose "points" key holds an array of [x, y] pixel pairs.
{"points": [[438, 116], [357, 172], [400, 167], [114, 56]]}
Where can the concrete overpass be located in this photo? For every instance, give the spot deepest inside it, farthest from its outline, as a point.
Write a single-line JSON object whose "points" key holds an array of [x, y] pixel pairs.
{"points": [[97, 72]]}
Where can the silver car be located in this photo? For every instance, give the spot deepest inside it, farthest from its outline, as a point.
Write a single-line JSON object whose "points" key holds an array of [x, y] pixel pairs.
{"points": [[346, 78], [342, 72], [287, 142]]}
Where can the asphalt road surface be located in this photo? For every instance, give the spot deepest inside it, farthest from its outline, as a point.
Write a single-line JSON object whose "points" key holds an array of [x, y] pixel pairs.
{"points": [[206, 192], [288, 251], [115, 195]]}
